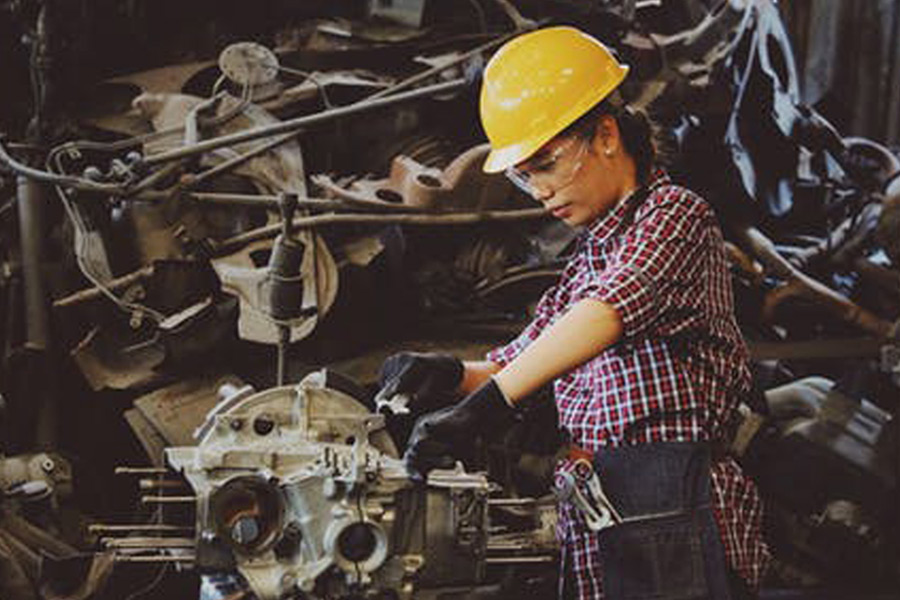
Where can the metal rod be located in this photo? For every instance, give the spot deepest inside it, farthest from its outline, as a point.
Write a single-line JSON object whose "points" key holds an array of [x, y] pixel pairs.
{"points": [[508, 546], [32, 233], [437, 69], [93, 293], [140, 471], [147, 542], [294, 125], [160, 558], [61, 180], [511, 501], [168, 499], [231, 244], [519, 560], [233, 163], [160, 484], [150, 527], [257, 200]]}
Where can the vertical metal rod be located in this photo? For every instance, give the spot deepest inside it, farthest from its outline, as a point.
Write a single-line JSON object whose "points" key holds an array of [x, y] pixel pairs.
{"points": [[284, 340], [31, 200]]}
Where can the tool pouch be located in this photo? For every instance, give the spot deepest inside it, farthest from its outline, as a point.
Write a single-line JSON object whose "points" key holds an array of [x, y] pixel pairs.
{"points": [[668, 545]]}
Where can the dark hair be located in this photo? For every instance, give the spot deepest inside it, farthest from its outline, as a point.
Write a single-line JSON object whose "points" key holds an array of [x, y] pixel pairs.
{"points": [[639, 133]]}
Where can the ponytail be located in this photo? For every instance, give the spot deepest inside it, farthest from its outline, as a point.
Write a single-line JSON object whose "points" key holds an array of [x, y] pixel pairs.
{"points": [[638, 132]]}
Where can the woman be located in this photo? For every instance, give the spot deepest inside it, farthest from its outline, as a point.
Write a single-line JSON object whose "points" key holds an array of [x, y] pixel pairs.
{"points": [[638, 337]]}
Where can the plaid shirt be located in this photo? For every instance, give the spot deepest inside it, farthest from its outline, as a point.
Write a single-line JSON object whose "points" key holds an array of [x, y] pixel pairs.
{"points": [[679, 369]]}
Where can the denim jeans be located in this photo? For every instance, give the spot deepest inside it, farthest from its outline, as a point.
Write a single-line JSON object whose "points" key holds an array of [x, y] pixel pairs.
{"points": [[668, 545]]}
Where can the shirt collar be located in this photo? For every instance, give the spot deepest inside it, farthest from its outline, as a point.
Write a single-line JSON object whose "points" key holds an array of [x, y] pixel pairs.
{"points": [[600, 230]]}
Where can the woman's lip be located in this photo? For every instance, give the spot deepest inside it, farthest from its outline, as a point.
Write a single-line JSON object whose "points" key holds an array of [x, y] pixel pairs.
{"points": [[561, 212]]}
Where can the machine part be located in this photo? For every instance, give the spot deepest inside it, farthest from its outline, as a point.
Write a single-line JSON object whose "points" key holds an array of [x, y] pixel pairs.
{"points": [[285, 272], [494, 216], [177, 410], [765, 113], [798, 284], [35, 476], [246, 275], [299, 489], [32, 233], [299, 123], [405, 12], [889, 221], [249, 64], [849, 442], [461, 187], [316, 500], [275, 165]]}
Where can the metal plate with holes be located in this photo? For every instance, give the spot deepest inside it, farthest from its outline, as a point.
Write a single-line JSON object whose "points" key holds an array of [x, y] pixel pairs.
{"points": [[248, 63]]}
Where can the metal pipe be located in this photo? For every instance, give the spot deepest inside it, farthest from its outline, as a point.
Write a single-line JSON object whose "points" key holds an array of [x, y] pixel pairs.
{"points": [[511, 501], [519, 560], [61, 180], [32, 229], [160, 484], [147, 542], [294, 125], [93, 293], [168, 499], [231, 244], [159, 558], [140, 471], [233, 163], [102, 528]]}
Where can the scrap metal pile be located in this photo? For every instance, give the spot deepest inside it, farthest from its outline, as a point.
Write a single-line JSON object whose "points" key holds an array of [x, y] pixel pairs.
{"points": [[181, 245]]}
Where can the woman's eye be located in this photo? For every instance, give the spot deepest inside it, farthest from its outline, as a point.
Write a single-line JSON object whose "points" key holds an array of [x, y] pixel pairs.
{"points": [[543, 167]]}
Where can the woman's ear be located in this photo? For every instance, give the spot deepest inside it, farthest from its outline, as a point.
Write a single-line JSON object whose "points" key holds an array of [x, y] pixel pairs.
{"points": [[608, 135]]}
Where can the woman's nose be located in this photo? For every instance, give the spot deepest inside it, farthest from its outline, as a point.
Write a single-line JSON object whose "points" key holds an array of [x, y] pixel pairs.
{"points": [[541, 194]]}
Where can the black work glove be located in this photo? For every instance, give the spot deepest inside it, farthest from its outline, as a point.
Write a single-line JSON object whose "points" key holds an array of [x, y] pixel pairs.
{"points": [[441, 437], [430, 379]]}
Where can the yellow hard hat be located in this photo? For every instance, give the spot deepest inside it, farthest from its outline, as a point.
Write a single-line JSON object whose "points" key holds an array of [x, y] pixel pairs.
{"points": [[539, 83]]}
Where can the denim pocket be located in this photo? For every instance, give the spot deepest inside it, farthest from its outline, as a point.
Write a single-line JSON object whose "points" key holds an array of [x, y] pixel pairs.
{"points": [[654, 559]]}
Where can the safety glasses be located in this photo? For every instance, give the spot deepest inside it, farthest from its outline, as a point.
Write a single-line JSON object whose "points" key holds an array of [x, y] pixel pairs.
{"points": [[551, 173]]}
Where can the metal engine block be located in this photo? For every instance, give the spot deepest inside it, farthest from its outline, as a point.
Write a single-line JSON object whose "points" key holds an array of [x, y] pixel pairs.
{"points": [[300, 489]]}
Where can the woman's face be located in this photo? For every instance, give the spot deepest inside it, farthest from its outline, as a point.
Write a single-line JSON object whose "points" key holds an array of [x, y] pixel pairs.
{"points": [[578, 180]]}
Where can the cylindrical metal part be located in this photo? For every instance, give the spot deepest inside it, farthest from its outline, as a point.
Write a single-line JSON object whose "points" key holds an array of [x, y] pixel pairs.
{"points": [[140, 471], [168, 499], [518, 560], [511, 501], [285, 285], [102, 528], [148, 542], [31, 209], [161, 484], [159, 558]]}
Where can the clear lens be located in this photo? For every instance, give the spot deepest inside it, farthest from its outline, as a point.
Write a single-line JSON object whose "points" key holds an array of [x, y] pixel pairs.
{"points": [[552, 174]]}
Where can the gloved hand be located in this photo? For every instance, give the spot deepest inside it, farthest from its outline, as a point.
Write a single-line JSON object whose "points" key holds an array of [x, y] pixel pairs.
{"points": [[441, 437], [430, 379]]}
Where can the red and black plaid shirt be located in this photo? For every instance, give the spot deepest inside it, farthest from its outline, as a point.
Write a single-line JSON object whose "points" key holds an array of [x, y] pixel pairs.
{"points": [[678, 371]]}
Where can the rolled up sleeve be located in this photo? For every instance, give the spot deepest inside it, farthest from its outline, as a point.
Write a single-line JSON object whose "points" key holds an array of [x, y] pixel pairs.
{"points": [[655, 266]]}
